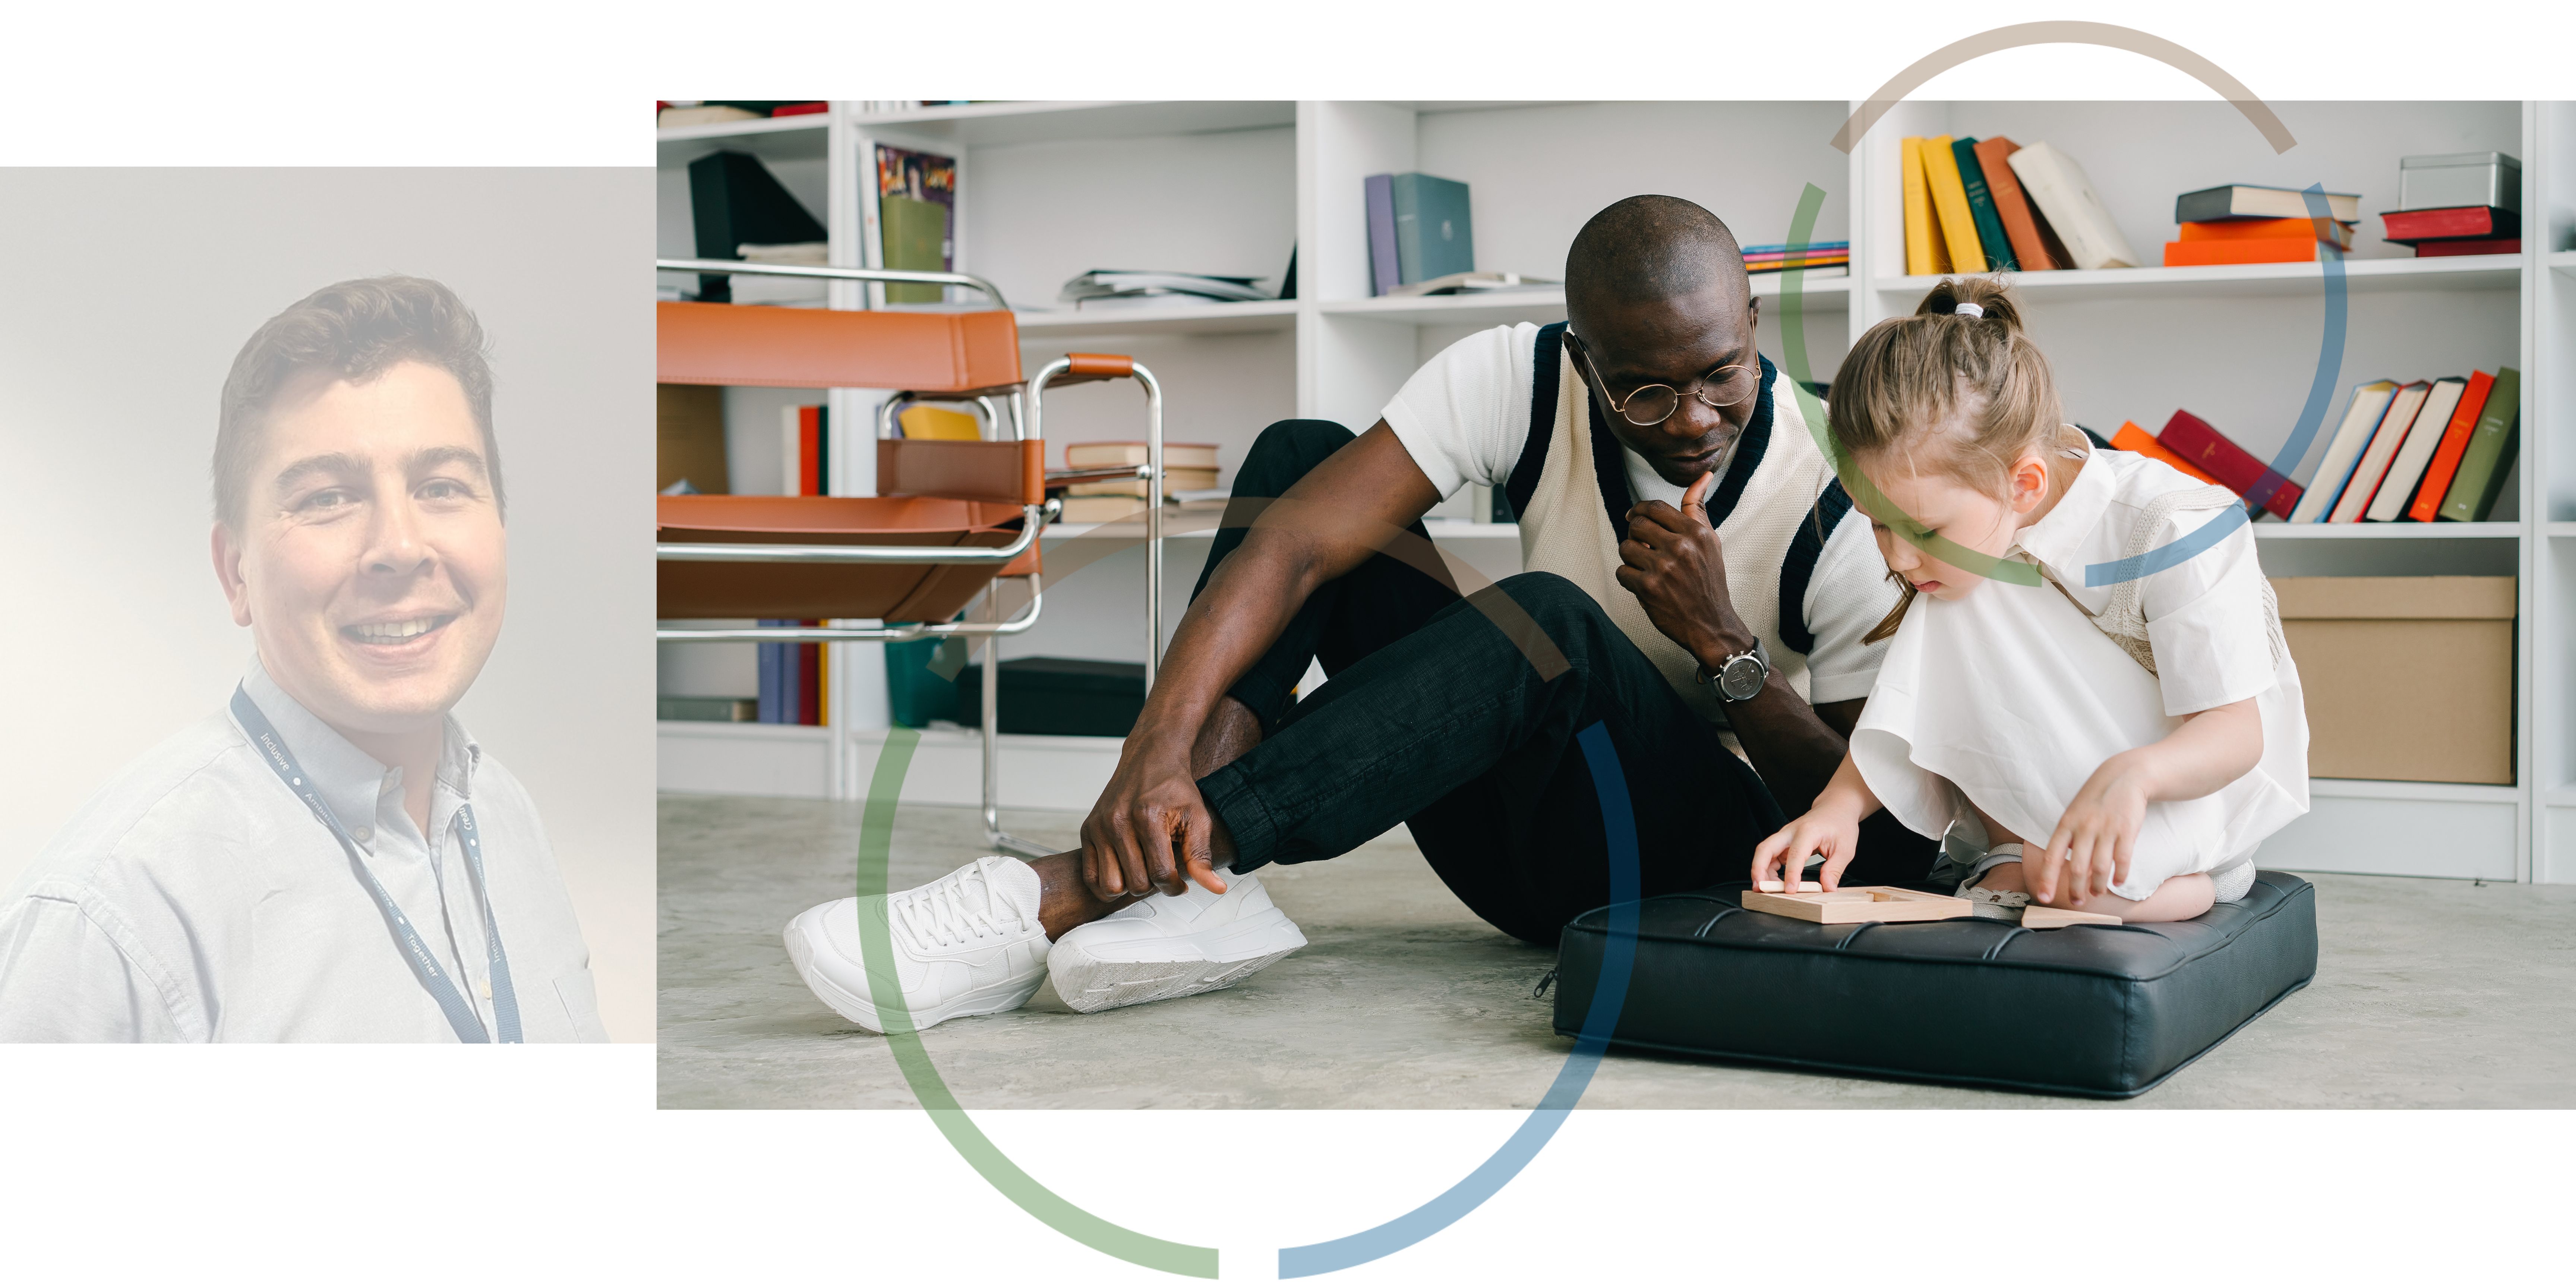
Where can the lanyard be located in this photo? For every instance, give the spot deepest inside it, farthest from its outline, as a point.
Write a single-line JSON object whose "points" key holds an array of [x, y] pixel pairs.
{"points": [[423, 963]]}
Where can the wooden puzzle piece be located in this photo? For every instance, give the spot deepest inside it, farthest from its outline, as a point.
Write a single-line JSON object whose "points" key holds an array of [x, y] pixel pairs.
{"points": [[1774, 887], [2036, 917], [1853, 904]]}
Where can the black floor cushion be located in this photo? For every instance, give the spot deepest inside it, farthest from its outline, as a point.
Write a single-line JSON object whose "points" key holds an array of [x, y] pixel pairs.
{"points": [[2088, 1010]]}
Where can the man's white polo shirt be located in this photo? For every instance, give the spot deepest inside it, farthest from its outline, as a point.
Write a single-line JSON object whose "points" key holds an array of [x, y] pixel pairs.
{"points": [[195, 899]]}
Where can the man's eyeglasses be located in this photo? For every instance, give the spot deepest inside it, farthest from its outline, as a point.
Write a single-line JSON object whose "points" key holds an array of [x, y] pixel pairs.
{"points": [[1654, 404]]}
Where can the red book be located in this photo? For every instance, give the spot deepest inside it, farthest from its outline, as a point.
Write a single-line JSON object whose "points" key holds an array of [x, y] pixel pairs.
{"points": [[2404, 226], [2021, 223], [809, 448], [2469, 246], [2133, 439], [2191, 438], [2455, 442], [800, 109]]}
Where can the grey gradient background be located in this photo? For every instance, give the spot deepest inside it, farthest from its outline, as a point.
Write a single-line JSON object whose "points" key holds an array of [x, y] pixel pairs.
{"points": [[127, 294]]}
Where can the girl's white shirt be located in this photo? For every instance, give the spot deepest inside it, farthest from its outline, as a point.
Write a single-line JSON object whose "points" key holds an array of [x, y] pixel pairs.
{"points": [[2211, 631]]}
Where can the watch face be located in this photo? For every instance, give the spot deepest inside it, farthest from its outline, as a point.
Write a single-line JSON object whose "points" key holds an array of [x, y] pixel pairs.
{"points": [[1741, 679]]}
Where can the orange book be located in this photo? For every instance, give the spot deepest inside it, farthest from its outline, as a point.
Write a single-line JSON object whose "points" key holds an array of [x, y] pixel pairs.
{"points": [[2022, 226], [2267, 230], [2253, 250], [2455, 444], [2133, 439]]}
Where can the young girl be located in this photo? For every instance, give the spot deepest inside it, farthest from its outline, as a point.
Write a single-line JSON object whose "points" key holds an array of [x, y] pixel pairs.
{"points": [[2117, 748]]}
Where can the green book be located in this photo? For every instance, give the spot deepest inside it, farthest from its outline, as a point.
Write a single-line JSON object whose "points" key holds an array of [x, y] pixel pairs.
{"points": [[1432, 235], [1981, 206], [916, 238], [2489, 456]]}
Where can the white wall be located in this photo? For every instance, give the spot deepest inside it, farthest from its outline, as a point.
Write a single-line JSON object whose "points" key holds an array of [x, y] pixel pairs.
{"points": [[130, 292]]}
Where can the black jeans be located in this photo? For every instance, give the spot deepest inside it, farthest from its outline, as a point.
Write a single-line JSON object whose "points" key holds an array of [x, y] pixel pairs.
{"points": [[1432, 717]]}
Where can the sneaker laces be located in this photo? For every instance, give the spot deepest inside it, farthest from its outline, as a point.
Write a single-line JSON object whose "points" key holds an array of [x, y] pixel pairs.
{"points": [[943, 913]]}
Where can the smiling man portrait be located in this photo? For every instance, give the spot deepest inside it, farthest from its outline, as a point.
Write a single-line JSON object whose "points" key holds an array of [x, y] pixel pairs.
{"points": [[331, 857]]}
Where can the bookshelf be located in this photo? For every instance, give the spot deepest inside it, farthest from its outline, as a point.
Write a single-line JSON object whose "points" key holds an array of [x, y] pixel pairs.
{"points": [[1049, 189]]}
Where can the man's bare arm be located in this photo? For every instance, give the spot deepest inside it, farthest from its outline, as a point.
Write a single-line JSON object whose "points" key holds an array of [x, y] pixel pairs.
{"points": [[1330, 522]]}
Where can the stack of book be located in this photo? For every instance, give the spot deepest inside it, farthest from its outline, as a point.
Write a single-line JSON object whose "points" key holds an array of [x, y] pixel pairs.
{"points": [[2243, 223], [671, 115], [2191, 445], [1112, 287], [1818, 259], [2421, 451], [1992, 205], [1189, 473], [2466, 203], [1418, 230], [1472, 284]]}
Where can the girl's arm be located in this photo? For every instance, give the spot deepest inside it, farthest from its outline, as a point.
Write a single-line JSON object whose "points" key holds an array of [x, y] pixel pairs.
{"points": [[2100, 829], [1831, 827]]}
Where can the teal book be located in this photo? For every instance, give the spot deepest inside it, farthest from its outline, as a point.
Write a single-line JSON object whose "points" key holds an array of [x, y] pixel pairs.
{"points": [[1432, 235], [1981, 206]]}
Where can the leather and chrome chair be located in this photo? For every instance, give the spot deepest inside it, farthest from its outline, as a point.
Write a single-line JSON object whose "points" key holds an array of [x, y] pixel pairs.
{"points": [[950, 518]]}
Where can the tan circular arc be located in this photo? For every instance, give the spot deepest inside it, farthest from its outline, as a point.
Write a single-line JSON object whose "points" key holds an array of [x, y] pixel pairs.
{"points": [[2104, 34]]}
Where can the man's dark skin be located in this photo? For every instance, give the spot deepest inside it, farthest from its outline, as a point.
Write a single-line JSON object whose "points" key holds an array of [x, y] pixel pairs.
{"points": [[1151, 831]]}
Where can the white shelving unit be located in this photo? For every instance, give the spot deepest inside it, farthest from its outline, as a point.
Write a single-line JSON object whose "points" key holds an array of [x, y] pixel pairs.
{"points": [[1051, 189]]}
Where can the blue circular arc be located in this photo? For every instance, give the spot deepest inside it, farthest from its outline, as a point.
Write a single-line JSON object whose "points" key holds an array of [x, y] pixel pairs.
{"points": [[1600, 1020]]}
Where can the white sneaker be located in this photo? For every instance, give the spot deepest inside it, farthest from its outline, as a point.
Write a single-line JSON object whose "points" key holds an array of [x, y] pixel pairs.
{"points": [[966, 944], [1172, 945]]}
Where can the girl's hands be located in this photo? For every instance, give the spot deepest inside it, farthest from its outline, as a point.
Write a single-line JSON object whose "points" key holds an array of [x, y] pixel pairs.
{"points": [[2089, 852], [1824, 830]]}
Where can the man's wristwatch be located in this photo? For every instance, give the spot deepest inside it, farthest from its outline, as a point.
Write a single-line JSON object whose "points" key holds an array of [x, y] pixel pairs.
{"points": [[1740, 677]]}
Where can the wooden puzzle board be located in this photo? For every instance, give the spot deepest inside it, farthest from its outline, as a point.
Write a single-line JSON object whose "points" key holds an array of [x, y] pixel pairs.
{"points": [[1857, 904]]}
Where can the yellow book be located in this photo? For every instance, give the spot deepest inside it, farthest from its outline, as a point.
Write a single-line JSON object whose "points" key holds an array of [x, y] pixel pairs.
{"points": [[937, 423], [1924, 252], [1950, 198]]}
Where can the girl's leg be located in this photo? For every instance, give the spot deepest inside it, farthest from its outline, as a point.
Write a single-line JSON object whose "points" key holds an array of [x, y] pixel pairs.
{"points": [[2178, 899]]}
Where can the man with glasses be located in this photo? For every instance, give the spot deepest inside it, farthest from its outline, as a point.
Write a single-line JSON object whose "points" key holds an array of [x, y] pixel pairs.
{"points": [[1697, 582]]}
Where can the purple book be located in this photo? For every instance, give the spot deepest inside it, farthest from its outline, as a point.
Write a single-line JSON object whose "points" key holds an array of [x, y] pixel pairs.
{"points": [[1381, 232]]}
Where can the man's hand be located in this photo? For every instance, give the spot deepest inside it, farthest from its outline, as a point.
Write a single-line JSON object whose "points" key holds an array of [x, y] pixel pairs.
{"points": [[1675, 565], [2089, 852], [1150, 830]]}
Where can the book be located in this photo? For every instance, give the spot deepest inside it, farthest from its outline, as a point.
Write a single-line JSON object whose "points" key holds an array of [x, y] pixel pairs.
{"points": [[2022, 225], [1433, 235], [1957, 222], [733, 200], [701, 114], [2058, 186], [675, 707], [1831, 268], [2370, 401], [2133, 439], [2372, 468], [2406, 471], [2267, 230], [915, 219], [2254, 201], [2194, 439], [804, 452], [1925, 252], [777, 683], [1103, 509], [1385, 274], [2427, 505], [2262, 250], [1981, 207], [1175, 480], [1130, 283], [1471, 284], [938, 423], [1187, 456], [1783, 250], [2489, 457], [2406, 227], [2469, 246]]}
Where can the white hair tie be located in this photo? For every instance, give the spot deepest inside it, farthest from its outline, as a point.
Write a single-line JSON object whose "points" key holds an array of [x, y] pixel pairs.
{"points": [[1967, 309]]}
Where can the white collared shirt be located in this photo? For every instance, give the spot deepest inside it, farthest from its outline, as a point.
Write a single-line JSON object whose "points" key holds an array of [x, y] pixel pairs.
{"points": [[195, 899]]}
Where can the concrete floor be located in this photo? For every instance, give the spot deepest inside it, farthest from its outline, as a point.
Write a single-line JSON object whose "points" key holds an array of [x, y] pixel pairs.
{"points": [[2428, 994]]}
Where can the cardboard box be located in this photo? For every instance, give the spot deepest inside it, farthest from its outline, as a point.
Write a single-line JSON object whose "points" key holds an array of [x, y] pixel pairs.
{"points": [[2407, 678]]}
